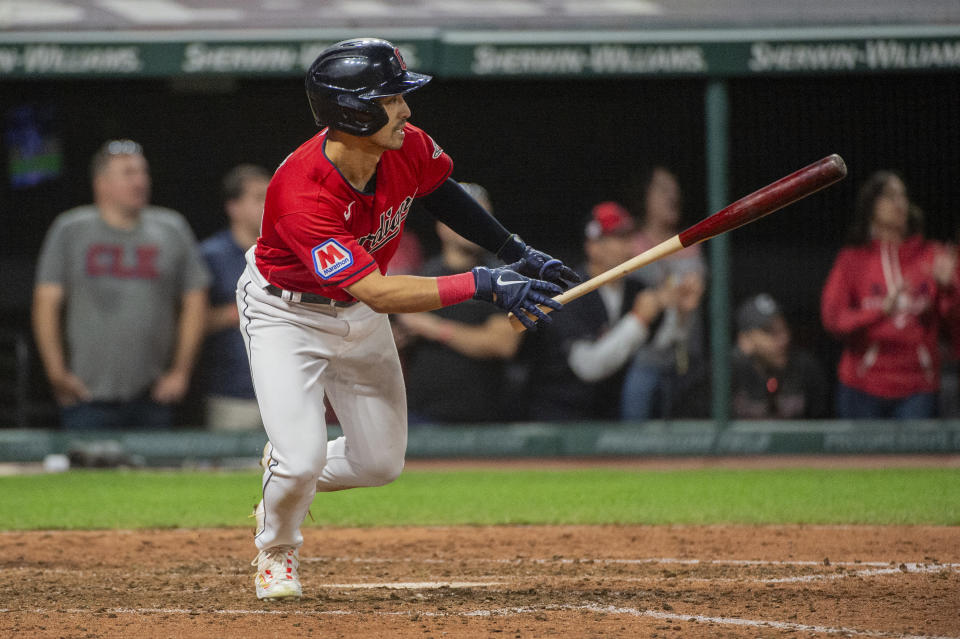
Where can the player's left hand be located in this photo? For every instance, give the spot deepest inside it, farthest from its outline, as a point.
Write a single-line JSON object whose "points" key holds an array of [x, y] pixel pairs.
{"points": [[528, 261]]}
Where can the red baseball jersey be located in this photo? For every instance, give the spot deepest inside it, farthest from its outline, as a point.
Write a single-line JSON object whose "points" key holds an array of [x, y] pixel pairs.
{"points": [[319, 234]]}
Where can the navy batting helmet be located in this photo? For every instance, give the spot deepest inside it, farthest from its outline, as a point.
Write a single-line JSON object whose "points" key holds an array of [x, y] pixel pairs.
{"points": [[345, 79]]}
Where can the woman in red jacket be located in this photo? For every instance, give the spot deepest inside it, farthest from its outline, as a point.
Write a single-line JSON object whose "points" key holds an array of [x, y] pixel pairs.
{"points": [[886, 298]]}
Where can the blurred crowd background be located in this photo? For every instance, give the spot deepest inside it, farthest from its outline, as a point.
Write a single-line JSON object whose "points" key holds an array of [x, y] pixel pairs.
{"points": [[546, 151]]}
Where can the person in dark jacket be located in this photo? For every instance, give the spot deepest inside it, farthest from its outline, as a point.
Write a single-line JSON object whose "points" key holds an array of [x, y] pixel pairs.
{"points": [[455, 357], [770, 378]]}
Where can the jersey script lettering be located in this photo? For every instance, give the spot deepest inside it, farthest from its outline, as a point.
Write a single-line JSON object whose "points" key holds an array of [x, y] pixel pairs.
{"points": [[390, 225]]}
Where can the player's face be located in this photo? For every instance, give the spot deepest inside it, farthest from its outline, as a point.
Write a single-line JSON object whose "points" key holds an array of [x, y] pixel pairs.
{"points": [[125, 182], [391, 135]]}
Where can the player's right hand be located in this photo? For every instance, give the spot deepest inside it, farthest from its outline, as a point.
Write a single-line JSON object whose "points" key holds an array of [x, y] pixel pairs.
{"points": [[516, 293]]}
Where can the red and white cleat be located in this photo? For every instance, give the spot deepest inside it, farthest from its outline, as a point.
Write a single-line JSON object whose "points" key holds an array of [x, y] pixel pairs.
{"points": [[277, 576]]}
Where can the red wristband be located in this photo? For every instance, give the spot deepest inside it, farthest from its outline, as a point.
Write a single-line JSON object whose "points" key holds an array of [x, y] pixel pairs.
{"points": [[454, 289]]}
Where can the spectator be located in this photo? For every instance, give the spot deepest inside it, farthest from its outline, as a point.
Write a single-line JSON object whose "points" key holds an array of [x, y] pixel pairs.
{"points": [[770, 378], [223, 373], [885, 299], [578, 361], [133, 290], [468, 342], [671, 364], [949, 404]]}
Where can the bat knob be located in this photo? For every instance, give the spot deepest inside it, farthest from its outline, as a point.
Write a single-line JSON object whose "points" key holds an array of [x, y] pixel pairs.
{"points": [[840, 167]]}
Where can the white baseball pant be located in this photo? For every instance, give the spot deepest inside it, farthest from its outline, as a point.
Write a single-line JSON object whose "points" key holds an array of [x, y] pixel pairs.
{"points": [[299, 352]]}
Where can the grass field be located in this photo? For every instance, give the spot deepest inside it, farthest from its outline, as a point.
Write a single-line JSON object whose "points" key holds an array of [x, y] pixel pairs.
{"points": [[145, 499]]}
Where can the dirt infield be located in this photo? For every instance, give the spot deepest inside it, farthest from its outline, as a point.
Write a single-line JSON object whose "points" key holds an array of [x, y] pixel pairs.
{"points": [[511, 581]]}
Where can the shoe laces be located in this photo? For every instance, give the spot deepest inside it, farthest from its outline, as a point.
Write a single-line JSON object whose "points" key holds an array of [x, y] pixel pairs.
{"points": [[275, 560]]}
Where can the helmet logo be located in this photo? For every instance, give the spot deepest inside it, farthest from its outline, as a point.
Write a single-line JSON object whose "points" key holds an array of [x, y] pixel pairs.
{"points": [[396, 52]]}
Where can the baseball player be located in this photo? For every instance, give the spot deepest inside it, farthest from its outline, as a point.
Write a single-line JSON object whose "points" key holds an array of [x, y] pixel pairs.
{"points": [[313, 298]]}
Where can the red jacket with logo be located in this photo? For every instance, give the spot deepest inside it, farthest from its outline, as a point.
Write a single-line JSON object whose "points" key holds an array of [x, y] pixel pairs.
{"points": [[888, 355], [319, 234]]}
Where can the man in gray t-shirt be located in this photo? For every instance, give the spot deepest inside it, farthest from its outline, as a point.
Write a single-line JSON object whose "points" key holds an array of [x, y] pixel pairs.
{"points": [[119, 302]]}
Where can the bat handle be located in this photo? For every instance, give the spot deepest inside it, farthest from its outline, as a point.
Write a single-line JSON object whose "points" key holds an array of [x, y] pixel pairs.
{"points": [[653, 254]]}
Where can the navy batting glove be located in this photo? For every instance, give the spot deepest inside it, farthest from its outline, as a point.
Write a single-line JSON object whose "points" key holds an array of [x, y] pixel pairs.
{"points": [[515, 293], [528, 261]]}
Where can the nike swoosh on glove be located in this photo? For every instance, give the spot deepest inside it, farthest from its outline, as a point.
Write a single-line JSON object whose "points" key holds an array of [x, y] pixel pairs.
{"points": [[515, 293], [528, 261]]}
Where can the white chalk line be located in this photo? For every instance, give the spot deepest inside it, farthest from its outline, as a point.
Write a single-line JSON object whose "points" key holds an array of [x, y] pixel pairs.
{"points": [[903, 569], [748, 580], [736, 621], [504, 612]]}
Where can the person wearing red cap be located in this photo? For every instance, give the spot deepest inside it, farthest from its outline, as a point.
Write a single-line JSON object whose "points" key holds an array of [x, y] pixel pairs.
{"points": [[578, 361]]}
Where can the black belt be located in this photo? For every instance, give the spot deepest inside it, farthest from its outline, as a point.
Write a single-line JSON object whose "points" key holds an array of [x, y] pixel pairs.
{"points": [[306, 298]]}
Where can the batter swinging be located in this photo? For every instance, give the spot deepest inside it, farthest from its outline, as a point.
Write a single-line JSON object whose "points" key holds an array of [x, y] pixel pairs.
{"points": [[313, 299]]}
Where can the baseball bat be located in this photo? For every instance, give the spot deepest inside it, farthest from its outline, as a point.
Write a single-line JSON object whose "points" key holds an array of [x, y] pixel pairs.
{"points": [[761, 202]]}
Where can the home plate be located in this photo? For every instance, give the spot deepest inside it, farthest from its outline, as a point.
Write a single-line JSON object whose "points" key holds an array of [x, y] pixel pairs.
{"points": [[416, 585]]}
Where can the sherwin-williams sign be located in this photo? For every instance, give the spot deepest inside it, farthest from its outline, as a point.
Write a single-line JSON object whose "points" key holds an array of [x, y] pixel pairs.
{"points": [[594, 59], [491, 55], [702, 59], [159, 59], [870, 55]]}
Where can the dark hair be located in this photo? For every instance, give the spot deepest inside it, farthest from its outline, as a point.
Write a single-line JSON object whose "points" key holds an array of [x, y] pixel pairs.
{"points": [[867, 197], [636, 193], [109, 149], [235, 181]]}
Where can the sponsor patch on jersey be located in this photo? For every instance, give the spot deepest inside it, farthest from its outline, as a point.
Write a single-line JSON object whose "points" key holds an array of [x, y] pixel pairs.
{"points": [[330, 258]]}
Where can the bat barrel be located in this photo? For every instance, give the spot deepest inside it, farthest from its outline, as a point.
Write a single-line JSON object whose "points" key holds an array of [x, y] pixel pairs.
{"points": [[770, 198]]}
